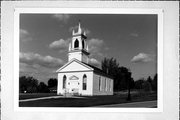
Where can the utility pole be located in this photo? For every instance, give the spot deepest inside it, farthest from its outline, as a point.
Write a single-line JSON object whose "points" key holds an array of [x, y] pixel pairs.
{"points": [[129, 87]]}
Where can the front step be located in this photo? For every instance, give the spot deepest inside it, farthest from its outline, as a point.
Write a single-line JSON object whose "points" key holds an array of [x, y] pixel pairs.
{"points": [[67, 95], [70, 94]]}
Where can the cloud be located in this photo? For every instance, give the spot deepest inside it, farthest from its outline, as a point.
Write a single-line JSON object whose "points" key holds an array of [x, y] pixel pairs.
{"points": [[142, 58], [36, 60], [96, 46], [76, 28], [94, 62], [25, 35], [62, 17], [60, 45], [134, 34], [39, 72]]}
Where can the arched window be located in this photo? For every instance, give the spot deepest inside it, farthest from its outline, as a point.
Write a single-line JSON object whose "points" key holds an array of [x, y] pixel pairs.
{"points": [[64, 81], [76, 44], [84, 82], [83, 44]]}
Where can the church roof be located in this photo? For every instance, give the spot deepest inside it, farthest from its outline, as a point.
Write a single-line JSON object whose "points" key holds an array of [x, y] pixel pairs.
{"points": [[99, 71], [77, 61], [90, 67]]}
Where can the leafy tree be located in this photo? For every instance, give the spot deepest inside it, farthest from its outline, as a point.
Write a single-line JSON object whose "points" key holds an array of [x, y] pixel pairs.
{"points": [[139, 83], [22, 84], [147, 86], [52, 82], [28, 84], [129, 86], [132, 83], [149, 79], [124, 81], [111, 67], [43, 88], [154, 83], [121, 75]]}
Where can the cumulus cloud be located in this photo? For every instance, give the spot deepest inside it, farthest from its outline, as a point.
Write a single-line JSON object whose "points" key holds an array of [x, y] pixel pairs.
{"points": [[25, 35], [76, 28], [60, 45], [61, 17], [96, 46], [142, 58], [39, 72], [94, 62], [25, 68], [35, 59], [134, 34]]}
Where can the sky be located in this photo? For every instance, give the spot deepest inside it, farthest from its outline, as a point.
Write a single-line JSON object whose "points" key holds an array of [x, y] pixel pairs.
{"points": [[129, 38]]}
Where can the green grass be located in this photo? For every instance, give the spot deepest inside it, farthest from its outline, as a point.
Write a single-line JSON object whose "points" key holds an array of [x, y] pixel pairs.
{"points": [[87, 101]]}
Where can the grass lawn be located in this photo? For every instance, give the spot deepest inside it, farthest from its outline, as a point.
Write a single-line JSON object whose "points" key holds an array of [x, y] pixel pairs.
{"points": [[87, 101]]}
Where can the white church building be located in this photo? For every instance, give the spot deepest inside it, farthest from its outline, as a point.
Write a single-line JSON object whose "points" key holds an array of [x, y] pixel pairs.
{"points": [[77, 77]]}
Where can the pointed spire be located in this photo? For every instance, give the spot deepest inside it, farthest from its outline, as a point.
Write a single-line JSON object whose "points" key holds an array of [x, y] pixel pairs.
{"points": [[87, 48], [84, 33], [79, 28], [79, 24], [73, 32], [69, 46]]}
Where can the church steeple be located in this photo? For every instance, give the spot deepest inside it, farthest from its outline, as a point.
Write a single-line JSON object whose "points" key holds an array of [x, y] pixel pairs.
{"points": [[78, 48]]}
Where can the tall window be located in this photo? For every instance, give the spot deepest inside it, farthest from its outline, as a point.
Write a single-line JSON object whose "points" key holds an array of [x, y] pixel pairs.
{"points": [[110, 87], [99, 83], [64, 81], [84, 82], [76, 44], [83, 44], [105, 84]]}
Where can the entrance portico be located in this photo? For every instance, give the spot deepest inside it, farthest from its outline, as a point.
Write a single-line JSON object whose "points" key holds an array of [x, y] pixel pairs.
{"points": [[73, 86]]}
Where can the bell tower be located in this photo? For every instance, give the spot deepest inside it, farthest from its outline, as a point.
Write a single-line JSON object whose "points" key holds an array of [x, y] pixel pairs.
{"points": [[78, 48]]}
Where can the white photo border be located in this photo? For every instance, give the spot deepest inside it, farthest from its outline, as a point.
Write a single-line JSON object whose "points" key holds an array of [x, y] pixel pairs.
{"points": [[158, 12]]}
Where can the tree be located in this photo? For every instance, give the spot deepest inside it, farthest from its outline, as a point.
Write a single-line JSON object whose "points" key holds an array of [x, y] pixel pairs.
{"points": [[147, 86], [129, 86], [154, 83], [52, 82], [22, 84], [111, 67], [149, 79], [43, 88], [139, 83], [124, 78], [121, 75], [28, 84]]}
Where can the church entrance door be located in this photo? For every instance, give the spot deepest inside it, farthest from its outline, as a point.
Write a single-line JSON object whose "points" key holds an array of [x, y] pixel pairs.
{"points": [[74, 87]]}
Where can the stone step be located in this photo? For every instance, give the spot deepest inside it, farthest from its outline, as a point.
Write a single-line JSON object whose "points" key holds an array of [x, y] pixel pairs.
{"points": [[70, 94]]}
